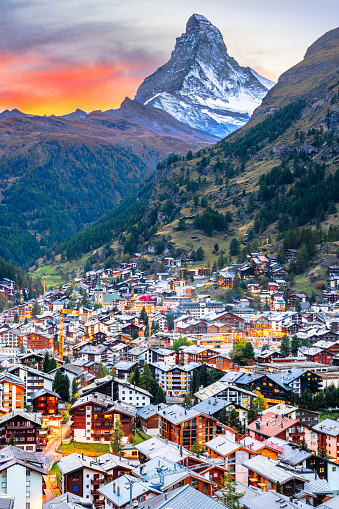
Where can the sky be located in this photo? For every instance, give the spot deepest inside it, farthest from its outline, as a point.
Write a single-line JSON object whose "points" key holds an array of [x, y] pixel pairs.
{"points": [[59, 55]]}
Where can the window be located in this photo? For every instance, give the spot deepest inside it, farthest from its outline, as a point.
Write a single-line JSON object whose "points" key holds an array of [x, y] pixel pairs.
{"points": [[75, 488], [76, 477], [28, 483], [4, 473], [4, 485], [28, 494], [334, 469], [28, 505]]}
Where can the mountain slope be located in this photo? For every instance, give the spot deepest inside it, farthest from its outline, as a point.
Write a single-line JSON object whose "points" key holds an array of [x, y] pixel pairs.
{"points": [[279, 171], [77, 168], [201, 85]]}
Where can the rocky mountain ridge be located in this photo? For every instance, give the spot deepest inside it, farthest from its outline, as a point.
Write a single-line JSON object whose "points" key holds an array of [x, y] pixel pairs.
{"points": [[202, 85]]}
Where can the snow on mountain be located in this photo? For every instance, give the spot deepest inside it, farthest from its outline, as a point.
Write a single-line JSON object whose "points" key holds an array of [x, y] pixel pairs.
{"points": [[201, 85]]}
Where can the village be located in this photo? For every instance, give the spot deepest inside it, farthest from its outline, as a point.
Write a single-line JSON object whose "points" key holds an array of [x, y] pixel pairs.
{"points": [[126, 389]]}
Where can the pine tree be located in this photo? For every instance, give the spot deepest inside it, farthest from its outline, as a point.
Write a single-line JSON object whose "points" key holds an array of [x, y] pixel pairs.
{"points": [[45, 363], [66, 387], [285, 346], [234, 420], [51, 365], [303, 445], [74, 389], [224, 417], [229, 494], [187, 403], [100, 372], [16, 318], [278, 487], [322, 452], [117, 434], [295, 343], [58, 382], [146, 378], [11, 440], [160, 396]]}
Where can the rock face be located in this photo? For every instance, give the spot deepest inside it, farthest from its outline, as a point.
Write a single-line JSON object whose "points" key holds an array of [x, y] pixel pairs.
{"points": [[201, 85]]}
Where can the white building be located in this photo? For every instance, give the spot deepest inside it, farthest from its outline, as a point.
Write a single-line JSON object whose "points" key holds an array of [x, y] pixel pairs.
{"points": [[21, 477]]}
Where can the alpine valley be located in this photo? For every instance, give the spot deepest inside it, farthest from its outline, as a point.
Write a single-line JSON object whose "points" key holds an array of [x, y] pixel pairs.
{"points": [[276, 176]]}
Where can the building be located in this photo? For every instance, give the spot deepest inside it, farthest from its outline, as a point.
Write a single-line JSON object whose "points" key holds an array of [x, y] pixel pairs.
{"points": [[233, 455], [24, 427], [33, 380], [94, 416], [273, 425], [12, 392], [174, 380], [328, 438], [183, 497], [265, 473], [226, 391], [118, 390], [117, 493], [21, 477], [84, 475], [148, 418], [167, 475], [45, 402], [189, 427], [68, 501], [305, 417]]}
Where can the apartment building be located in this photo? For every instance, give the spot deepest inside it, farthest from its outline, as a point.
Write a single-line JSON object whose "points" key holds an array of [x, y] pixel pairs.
{"points": [[12, 392], [173, 379]]}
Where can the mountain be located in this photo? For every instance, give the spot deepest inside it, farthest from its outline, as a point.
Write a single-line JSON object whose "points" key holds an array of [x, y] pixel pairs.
{"points": [[77, 167], [76, 115], [202, 85], [12, 113], [276, 175]]}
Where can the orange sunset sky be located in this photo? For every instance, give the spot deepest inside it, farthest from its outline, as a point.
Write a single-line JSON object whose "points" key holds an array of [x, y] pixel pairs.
{"points": [[62, 55]]}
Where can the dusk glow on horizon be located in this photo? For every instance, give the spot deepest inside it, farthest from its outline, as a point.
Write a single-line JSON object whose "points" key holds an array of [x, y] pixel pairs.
{"points": [[90, 54]]}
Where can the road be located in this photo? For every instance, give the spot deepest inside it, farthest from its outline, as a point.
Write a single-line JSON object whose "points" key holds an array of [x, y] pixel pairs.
{"points": [[50, 456]]}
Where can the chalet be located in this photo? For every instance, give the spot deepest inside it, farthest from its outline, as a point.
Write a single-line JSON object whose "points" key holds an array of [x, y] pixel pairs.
{"points": [[45, 402], [226, 391], [161, 355], [213, 407], [94, 417], [194, 353], [84, 475], [24, 427], [33, 360], [188, 427], [117, 493], [224, 279], [123, 369], [268, 356], [148, 418], [180, 476], [272, 425], [305, 417], [233, 454], [265, 473], [220, 361], [318, 355]]}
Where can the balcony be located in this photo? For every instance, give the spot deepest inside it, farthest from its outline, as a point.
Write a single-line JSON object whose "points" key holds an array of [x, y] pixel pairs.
{"points": [[100, 480]]}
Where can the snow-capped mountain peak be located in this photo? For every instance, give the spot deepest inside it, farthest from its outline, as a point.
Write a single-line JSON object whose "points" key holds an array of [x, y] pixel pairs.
{"points": [[201, 85]]}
